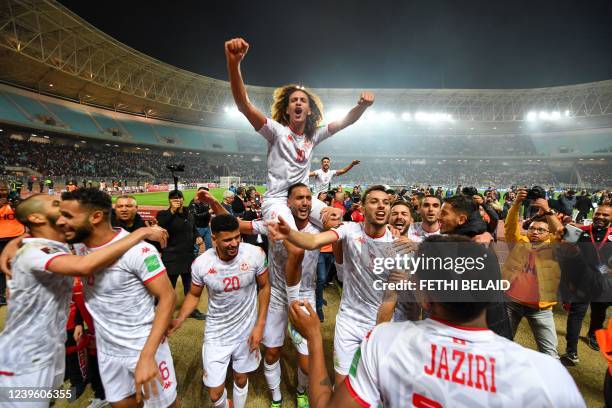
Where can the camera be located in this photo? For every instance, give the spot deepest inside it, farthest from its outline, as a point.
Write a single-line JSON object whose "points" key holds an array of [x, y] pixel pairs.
{"points": [[175, 167], [536, 192]]}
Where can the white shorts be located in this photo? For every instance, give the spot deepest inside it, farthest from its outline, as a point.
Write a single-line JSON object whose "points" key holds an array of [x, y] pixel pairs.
{"points": [[273, 207], [50, 377], [274, 331], [216, 358], [347, 339], [117, 374]]}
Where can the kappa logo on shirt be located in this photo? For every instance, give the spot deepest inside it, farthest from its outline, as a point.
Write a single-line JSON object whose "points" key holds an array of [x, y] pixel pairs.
{"points": [[145, 250], [212, 271], [361, 240]]}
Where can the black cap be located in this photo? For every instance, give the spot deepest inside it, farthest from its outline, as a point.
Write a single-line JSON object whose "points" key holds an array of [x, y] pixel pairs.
{"points": [[175, 194]]}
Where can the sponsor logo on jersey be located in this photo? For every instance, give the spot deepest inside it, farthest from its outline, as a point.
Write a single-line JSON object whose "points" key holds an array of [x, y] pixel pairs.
{"points": [[145, 250], [212, 271], [152, 263]]}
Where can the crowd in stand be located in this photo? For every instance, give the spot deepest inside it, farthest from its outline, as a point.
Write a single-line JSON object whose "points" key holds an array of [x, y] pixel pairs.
{"points": [[62, 162]]}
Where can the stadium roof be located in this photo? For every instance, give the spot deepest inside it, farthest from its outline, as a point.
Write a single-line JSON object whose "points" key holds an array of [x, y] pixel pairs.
{"points": [[46, 47]]}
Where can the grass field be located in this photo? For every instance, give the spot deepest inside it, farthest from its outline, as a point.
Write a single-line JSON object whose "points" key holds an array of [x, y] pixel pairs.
{"points": [[161, 198]]}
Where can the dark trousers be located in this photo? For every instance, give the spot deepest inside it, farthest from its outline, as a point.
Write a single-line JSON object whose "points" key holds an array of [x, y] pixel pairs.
{"points": [[2, 277], [498, 320], [323, 265], [185, 277], [581, 216], [81, 369], [575, 318]]}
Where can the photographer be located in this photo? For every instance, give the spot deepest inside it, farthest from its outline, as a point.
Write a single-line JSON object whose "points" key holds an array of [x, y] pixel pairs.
{"points": [[178, 255], [533, 272]]}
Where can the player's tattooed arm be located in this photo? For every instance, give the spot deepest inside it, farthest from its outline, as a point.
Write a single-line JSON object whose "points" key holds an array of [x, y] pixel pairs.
{"points": [[74, 265], [365, 100], [235, 50], [320, 391]]}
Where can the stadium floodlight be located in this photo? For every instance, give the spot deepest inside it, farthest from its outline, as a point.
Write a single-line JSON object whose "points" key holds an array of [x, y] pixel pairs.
{"points": [[532, 116], [232, 110], [567, 113], [406, 117], [387, 116], [555, 115], [336, 114]]}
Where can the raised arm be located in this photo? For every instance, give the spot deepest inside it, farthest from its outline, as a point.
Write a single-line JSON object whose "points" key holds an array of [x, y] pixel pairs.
{"points": [[235, 50], [74, 265], [347, 168], [312, 174], [365, 100], [281, 230]]}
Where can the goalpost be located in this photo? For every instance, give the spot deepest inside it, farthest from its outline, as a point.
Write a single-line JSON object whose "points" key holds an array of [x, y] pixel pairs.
{"points": [[226, 181]]}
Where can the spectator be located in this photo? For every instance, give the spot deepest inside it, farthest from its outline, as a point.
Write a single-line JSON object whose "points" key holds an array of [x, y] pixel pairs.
{"points": [[9, 227], [201, 213], [584, 206], [182, 234], [238, 203], [228, 199], [533, 273], [125, 214]]}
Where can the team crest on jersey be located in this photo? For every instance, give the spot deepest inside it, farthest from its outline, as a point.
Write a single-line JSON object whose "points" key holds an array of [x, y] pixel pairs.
{"points": [[244, 266]]}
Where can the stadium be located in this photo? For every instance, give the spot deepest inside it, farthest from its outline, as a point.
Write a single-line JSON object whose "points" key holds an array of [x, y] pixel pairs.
{"points": [[78, 107]]}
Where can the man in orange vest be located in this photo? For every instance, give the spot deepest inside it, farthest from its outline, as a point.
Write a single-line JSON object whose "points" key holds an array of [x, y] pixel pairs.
{"points": [[9, 227]]}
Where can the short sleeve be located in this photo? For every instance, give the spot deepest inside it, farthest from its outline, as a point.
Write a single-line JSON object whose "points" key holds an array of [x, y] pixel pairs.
{"points": [[39, 258], [362, 381], [197, 277], [342, 230], [271, 130], [560, 386], [321, 134], [333, 173], [260, 261], [146, 262]]}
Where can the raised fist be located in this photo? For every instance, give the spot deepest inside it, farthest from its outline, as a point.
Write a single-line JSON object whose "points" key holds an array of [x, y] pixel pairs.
{"points": [[366, 99], [235, 50]]}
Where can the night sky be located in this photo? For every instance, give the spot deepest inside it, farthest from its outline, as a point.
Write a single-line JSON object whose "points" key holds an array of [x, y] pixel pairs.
{"points": [[373, 44]]}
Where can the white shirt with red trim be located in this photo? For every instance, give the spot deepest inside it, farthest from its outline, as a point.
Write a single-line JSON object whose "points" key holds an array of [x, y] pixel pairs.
{"points": [[277, 258], [35, 328], [433, 364], [322, 180], [118, 300], [360, 300], [289, 156], [232, 292], [416, 233]]}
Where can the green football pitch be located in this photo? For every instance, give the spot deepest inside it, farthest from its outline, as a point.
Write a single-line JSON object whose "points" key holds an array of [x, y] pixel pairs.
{"points": [[161, 198]]}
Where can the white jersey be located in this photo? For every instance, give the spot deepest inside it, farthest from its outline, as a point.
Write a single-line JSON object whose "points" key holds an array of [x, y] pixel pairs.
{"points": [[277, 258], [323, 180], [360, 300], [416, 233], [232, 292], [289, 156], [35, 328], [432, 364], [118, 300]]}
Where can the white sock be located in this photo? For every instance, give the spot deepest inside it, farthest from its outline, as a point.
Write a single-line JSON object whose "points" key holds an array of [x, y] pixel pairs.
{"points": [[221, 402], [273, 378], [293, 293], [240, 395], [302, 381]]}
